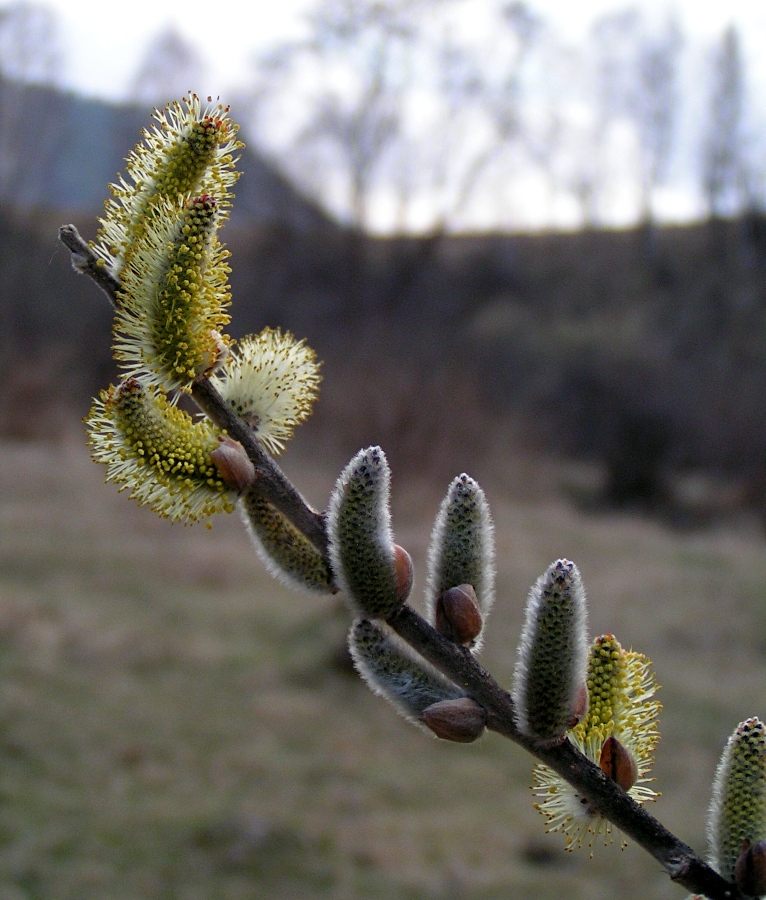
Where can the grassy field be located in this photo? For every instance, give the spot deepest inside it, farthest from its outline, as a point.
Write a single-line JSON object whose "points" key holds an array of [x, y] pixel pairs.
{"points": [[176, 725]]}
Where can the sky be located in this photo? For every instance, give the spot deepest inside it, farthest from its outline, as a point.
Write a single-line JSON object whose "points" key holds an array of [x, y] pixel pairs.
{"points": [[104, 41], [104, 44]]}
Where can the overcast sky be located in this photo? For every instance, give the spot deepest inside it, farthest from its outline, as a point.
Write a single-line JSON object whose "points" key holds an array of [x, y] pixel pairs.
{"points": [[104, 41], [104, 44]]}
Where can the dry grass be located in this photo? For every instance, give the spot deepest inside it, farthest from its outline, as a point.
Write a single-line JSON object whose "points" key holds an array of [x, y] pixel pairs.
{"points": [[175, 724]]}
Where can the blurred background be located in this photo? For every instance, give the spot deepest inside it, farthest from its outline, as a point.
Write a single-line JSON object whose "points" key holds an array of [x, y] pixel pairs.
{"points": [[528, 241]]}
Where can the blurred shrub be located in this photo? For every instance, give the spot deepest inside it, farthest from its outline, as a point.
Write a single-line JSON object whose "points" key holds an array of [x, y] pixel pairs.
{"points": [[647, 357]]}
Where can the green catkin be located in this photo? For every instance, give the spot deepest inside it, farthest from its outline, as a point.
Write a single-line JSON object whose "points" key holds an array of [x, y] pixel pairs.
{"points": [[286, 552], [738, 807], [394, 671], [553, 652], [361, 543], [462, 548]]}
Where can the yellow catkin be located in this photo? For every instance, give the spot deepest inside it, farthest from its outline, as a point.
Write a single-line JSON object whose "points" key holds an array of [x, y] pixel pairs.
{"points": [[621, 690], [271, 380], [174, 298], [189, 151], [158, 452]]}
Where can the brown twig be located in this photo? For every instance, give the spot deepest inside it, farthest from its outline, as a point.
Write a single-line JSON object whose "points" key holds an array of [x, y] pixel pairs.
{"points": [[271, 482], [679, 861], [86, 262]]}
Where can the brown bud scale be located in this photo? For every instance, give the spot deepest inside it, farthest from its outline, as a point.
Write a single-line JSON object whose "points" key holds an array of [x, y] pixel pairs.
{"points": [[405, 573], [461, 720], [581, 706], [233, 464], [750, 869], [458, 616], [618, 763]]}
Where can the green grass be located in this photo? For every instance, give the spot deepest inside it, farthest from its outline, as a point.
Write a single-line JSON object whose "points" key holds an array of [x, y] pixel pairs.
{"points": [[176, 725]]}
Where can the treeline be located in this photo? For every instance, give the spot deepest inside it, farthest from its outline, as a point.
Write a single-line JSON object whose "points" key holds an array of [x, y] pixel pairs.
{"points": [[417, 116], [452, 115], [642, 350]]}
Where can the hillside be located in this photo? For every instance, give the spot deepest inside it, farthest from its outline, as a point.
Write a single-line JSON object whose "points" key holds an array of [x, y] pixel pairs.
{"points": [[59, 150]]}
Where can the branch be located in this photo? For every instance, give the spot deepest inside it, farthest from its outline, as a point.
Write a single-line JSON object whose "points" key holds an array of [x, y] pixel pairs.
{"points": [[86, 262], [270, 481], [679, 861]]}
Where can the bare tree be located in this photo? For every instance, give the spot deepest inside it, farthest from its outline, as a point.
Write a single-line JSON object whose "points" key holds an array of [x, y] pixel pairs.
{"points": [[30, 52], [565, 133], [171, 67], [344, 84], [723, 159], [477, 133], [656, 107], [399, 109], [577, 97], [634, 84], [614, 38], [29, 43]]}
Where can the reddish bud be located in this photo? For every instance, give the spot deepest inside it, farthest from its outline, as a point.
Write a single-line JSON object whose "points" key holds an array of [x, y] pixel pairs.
{"points": [[750, 869], [618, 763], [235, 468], [581, 706], [458, 617], [461, 720], [405, 573]]}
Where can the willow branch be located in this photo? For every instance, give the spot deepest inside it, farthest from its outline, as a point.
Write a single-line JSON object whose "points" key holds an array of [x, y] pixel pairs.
{"points": [[679, 861], [86, 262], [270, 482]]}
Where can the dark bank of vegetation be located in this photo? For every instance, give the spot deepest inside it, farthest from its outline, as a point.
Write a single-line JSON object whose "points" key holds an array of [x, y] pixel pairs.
{"points": [[644, 351]]}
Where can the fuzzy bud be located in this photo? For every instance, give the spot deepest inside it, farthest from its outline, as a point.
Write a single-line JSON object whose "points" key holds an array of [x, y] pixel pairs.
{"points": [[233, 464], [393, 670], [553, 654], [618, 763], [458, 617], [460, 720], [738, 808], [462, 551], [750, 869], [362, 551], [286, 552]]}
